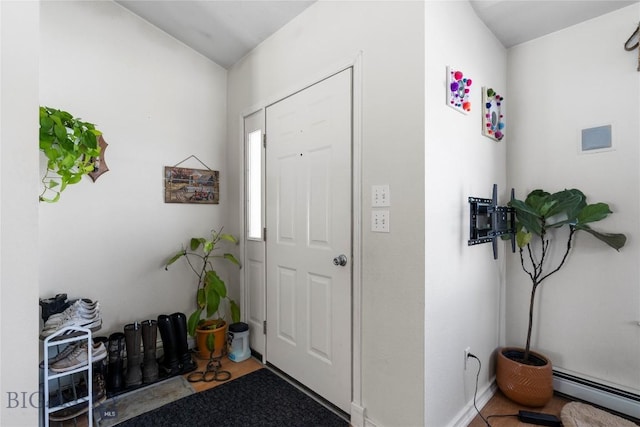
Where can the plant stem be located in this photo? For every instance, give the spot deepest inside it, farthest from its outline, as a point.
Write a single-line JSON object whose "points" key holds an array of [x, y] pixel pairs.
{"points": [[537, 278]]}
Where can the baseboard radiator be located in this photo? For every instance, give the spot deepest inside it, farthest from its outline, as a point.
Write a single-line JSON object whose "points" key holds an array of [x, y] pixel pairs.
{"points": [[612, 399]]}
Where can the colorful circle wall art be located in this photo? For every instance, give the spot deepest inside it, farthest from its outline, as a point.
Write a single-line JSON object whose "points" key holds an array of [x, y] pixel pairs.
{"points": [[458, 90], [493, 123]]}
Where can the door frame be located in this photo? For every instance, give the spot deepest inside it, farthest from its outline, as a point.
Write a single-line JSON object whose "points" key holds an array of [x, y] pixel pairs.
{"points": [[355, 63]]}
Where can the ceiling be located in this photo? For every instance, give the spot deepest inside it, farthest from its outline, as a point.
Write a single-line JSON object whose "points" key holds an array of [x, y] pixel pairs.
{"points": [[222, 30], [516, 21], [226, 30]]}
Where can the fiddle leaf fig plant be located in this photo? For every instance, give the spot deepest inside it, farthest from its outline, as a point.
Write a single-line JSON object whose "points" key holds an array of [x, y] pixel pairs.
{"points": [[541, 212], [71, 147], [211, 291]]}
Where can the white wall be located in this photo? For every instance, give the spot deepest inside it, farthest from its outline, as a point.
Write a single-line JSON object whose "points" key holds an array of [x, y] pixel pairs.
{"points": [[390, 36], [157, 102], [18, 213], [573, 79], [463, 285]]}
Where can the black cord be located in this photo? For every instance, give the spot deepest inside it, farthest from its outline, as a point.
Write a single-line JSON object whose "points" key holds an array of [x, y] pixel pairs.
{"points": [[486, 420], [476, 390]]}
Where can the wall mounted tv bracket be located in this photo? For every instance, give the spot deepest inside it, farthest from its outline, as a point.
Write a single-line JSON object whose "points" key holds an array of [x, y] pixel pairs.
{"points": [[488, 221]]}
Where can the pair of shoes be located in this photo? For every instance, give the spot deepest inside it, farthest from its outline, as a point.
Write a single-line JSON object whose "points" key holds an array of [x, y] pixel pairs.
{"points": [[78, 357], [83, 313], [98, 352], [53, 305], [98, 396], [80, 308]]}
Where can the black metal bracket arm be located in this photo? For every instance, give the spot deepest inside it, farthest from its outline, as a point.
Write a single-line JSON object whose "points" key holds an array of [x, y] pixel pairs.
{"points": [[488, 221]]}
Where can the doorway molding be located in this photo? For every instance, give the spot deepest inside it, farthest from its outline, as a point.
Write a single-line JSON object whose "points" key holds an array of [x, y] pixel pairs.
{"points": [[357, 415]]}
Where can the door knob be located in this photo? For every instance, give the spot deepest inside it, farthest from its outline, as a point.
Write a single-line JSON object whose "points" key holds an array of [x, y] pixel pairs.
{"points": [[340, 260]]}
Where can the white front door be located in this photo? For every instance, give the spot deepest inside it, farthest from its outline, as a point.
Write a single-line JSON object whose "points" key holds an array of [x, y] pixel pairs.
{"points": [[308, 225]]}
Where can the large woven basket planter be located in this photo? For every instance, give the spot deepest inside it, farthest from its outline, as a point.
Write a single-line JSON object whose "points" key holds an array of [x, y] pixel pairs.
{"points": [[529, 385]]}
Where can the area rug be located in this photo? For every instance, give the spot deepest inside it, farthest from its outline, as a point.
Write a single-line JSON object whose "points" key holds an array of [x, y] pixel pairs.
{"points": [[576, 414], [260, 398], [123, 407]]}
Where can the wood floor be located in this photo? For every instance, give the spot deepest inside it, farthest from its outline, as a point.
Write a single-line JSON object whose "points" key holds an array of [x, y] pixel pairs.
{"points": [[236, 369], [500, 405]]}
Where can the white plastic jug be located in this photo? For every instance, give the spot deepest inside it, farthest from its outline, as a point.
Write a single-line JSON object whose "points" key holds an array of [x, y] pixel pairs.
{"points": [[239, 338]]}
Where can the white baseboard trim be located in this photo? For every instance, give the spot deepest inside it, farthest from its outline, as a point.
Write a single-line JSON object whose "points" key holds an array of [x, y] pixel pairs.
{"points": [[468, 413], [599, 395], [357, 416]]}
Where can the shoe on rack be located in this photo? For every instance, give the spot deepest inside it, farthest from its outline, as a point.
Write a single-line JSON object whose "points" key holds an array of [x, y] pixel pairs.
{"points": [[74, 318], [76, 359], [80, 308], [98, 396], [98, 353], [61, 355], [52, 306]]}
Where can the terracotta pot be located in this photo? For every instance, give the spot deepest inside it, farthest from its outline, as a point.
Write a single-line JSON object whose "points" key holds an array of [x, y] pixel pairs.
{"points": [[529, 385], [219, 339]]}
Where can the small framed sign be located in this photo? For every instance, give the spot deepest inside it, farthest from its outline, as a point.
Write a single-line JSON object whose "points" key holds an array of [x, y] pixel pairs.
{"points": [[183, 185]]}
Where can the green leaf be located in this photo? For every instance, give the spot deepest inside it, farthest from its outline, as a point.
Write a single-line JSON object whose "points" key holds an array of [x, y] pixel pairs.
{"points": [[196, 242], [192, 323], [211, 343], [523, 238], [231, 258], [593, 213], [615, 240], [229, 238], [60, 131], [527, 217], [208, 246], [235, 311], [175, 258], [213, 301], [216, 284], [201, 297]]}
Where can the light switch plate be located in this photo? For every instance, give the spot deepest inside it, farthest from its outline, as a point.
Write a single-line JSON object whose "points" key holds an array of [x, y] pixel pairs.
{"points": [[380, 196], [380, 221]]}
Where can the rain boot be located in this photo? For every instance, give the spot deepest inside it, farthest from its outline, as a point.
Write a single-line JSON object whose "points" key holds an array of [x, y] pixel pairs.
{"points": [[115, 380], [185, 360], [133, 337], [169, 361], [150, 364]]}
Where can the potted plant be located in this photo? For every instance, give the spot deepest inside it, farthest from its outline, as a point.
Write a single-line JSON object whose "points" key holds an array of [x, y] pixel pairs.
{"points": [[71, 147], [523, 375], [211, 297]]}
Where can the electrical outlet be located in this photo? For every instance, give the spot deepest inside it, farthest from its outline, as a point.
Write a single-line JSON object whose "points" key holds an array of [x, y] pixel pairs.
{"points": [[467, 351], [380, 221]]}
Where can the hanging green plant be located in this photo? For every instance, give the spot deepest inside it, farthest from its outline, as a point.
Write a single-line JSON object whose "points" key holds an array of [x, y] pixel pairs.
{"points": [[71, 147]]}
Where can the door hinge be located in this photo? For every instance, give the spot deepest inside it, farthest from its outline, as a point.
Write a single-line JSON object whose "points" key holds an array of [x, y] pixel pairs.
{"points": [[264, 140], [264, 234], [264, 327]]}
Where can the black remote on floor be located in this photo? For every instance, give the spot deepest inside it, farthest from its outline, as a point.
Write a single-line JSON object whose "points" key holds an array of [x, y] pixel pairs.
{"points": [[539, 419]]}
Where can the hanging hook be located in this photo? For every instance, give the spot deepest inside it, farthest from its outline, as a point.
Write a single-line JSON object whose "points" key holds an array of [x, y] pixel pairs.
{"points": [[629, 45]]}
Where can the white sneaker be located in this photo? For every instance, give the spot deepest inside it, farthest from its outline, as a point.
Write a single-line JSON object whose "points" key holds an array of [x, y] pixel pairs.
{"points": [[74, 320], [80, 308]]}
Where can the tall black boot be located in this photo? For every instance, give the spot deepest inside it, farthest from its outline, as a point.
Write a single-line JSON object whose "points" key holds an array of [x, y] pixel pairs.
{"points": [[133, 337], [169, 362], [149, 364], [115, 380], [179, 321]]}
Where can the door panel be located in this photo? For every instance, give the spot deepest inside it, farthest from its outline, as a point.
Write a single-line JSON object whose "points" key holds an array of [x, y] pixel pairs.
{"points": [[255, 267], [309, 223]]}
